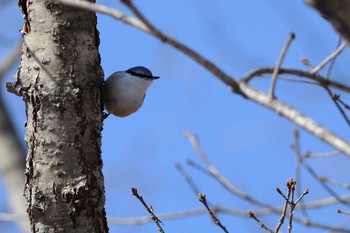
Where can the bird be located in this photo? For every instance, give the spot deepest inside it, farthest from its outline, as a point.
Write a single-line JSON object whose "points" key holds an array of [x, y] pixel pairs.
{"points": [[123, 92]]}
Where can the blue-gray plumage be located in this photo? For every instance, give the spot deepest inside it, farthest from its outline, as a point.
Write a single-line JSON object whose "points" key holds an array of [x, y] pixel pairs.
{"points": [[124, 91]]}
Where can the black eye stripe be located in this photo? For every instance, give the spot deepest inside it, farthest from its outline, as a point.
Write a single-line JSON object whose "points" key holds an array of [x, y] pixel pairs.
{"points": [[145, 76]]}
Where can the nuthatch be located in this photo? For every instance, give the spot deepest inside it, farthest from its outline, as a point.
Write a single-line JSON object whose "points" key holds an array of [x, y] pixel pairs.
{"points": [[124, 91]]}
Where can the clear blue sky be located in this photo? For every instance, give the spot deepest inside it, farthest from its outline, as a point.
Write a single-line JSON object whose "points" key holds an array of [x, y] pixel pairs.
{"points": [[249, 144]]}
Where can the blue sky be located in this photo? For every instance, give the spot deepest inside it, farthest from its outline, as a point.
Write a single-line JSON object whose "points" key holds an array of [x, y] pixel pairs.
{"points": [[250, 145]]}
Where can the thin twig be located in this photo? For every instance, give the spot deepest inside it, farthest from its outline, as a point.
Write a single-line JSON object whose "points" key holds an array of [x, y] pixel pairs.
{"points": [[176, 215], [289, 201], [280, 193], [343, 212], [327, 88], [331, 64], [187, 178], [202, 211], [202, 198], [291, 184], [308, 205], [322, 154], [148, 208], [278, 65], [299, 160], [336, 100], [297, 73], [334, 182], [285, 207], [261, 224], [329, 58], [306, 191], [221, 179], [292, 208], [312, 172], [199, 168]]}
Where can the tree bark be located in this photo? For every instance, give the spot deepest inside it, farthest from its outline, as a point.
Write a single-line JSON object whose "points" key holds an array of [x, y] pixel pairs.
{"points": [[59, 79]]}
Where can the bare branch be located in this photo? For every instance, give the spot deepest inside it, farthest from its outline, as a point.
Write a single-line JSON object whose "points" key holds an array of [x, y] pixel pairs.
{"points": [[221, 179], [334, 182], [334, 97], [322, 154], [148, 208], [343, 212], [338, 99], [322, 81], [284, 211], [338, 103], [329, 58], [306, 191], [115, 13], [278, 65], [187, 178], [312, 172], [10, 59], [199, 168], [298, 166], [332, 62], [261, 224], [202, 198], [298, 118]]}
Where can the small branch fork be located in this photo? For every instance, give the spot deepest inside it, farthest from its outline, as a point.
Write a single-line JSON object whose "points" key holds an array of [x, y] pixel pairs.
{"points": [[155, 219], [335, 98], [328, 59], [289, 201]]}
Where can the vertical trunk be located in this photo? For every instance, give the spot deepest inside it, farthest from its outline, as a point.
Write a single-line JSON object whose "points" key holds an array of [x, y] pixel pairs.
{"points": [[59, 78]]}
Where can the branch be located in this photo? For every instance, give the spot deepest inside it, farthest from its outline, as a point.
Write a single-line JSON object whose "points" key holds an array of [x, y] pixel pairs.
{"points": [[278, 65], [338, 103], [322, 154], [297, 150], [155, 219], [261, 224], [322, 81], [187, 178], [221, 179], [202, 198], [328, 59], [10, 59], [238, 87]]}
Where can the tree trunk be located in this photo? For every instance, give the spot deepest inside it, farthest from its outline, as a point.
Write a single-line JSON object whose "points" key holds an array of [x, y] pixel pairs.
{"points": [[59, 79]]}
